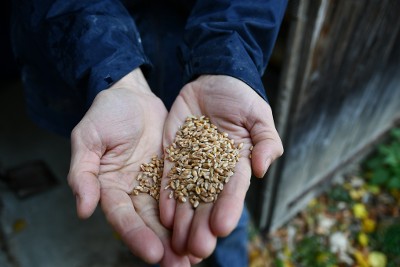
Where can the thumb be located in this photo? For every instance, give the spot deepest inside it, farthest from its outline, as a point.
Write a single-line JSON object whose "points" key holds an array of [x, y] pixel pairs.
{"points": [[267, 144], [82, 177]]}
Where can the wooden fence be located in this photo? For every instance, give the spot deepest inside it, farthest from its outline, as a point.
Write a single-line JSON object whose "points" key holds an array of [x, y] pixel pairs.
{"points": [[338, 92]]}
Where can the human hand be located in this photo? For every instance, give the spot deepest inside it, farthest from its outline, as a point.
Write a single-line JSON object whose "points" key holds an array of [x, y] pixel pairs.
{"points": [[236, 109], [121, 130]]}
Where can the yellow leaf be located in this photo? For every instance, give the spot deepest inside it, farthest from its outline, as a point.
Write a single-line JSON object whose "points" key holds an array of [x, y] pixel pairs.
{"points": [[322, 257], [355, 194], [363, 239], [368, 225], [377, 259], [347, 186], [361, 259], [259, 262], [287, 252], [360, 211], [254, 254], [19, 225], [395, 193], [313, 202], [116, 236], [373, 189], [287, 263]]}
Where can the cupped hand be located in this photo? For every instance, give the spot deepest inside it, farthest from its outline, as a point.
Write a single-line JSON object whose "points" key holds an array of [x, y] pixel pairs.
{"points": [[237, 110], [121, 130]]}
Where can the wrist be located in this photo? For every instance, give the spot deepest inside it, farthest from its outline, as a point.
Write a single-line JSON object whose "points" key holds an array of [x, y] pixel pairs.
{"points": [[213, 78], [215, 82], [133, 81]]}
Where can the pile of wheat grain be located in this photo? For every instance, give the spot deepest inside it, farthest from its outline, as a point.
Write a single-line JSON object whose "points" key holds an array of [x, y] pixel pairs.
{"points": [[204, 161]]}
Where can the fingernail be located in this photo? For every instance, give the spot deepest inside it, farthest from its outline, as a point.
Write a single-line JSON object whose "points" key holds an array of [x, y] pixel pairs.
{"points": [[267, 164]]}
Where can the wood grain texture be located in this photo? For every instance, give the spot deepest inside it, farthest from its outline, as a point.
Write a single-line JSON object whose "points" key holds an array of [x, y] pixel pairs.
{"points": [[339, 90]]}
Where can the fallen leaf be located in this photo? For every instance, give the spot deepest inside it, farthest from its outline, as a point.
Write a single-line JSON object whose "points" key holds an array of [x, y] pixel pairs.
{"points": [[363, 239], [368, 225], [377, 259], [338, 242], [19, 225], [361, 259], [312, 203], [355, 194], [360, 211], [373, 189], [325, 223]]}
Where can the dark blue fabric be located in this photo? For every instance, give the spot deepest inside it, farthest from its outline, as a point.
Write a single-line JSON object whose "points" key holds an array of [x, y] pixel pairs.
{"points": [[232, 37], [71, 50], [231, 251], [8, 68]]}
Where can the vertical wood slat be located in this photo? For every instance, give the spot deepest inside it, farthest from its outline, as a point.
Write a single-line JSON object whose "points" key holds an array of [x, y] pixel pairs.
{"points": [[340, 89]]}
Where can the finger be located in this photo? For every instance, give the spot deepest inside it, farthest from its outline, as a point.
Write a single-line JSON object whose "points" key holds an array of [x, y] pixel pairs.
{"points": [[82, 178], [175, 118], [202, 241], [150, 216], [194, 260], [229, 205], [172, 259], [167, 202], [267, 143], [146, 207], [264, 153], [86, 189], [183, 219], [140, 239]]}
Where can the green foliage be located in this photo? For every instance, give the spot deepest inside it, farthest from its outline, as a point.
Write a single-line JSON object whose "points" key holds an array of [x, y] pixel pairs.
{"points": [[311, 251], [384, 165], [338, 194], [387, 240], [279, 263]]}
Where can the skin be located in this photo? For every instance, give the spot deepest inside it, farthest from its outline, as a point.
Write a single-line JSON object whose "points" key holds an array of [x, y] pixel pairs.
{"points": [[121, 130], [127, 124], [236, 109]]}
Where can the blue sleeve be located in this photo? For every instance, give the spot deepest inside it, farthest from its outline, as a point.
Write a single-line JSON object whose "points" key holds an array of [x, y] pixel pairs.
{"points": [[232, 37], [91, 43]]}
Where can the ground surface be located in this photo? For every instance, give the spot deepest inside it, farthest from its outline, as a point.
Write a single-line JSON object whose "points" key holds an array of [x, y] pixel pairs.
{"points": [[42, 230], [353, 224], [356, 222]]}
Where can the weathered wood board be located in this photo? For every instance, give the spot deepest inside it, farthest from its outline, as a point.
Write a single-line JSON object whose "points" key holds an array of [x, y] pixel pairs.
{"points": [[339, 91]]}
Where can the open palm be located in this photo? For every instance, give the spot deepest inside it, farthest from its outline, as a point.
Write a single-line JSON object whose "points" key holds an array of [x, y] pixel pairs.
{"points": [[122, 129], [236, 109]]}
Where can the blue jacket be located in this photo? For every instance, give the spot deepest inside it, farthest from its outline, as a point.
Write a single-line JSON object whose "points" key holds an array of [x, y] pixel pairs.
{"points": [[70, 50]]}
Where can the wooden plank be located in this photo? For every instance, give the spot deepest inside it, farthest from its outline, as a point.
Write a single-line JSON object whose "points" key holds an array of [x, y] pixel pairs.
{"points": [[342, 92]]}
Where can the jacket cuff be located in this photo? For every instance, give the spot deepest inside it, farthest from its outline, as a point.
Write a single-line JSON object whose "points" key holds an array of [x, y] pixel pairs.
{"points": [[224, 55], [112, 69]]}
